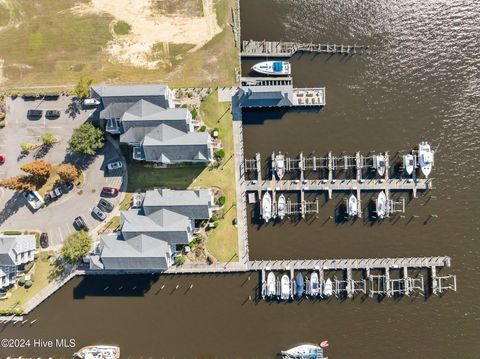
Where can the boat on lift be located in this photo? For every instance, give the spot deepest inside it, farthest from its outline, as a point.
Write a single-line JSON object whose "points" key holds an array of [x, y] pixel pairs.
{"points": [[300, 285], [281, 206], [408, 163], [379, 164], [285, 287], [425, 158], [267, 206], [279, 165], [271, 285], [273, 68], [304, 351], [98, 352], [328, 288], [352, 206], [314, 284], [381, 205]]}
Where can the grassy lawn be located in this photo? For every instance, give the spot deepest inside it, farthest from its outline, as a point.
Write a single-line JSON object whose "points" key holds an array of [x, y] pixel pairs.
{"points": [[51, 45], [111, 225], [20, 295], [127, 200]]}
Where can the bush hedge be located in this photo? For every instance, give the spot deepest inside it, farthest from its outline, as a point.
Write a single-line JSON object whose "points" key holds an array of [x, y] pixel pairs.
{"points": [[28, 284], [220, 153], [12, 233], [222, 200]]}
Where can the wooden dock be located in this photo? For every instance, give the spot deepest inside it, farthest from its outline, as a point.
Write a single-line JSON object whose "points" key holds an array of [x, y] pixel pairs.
{"points": [[251, 48]]}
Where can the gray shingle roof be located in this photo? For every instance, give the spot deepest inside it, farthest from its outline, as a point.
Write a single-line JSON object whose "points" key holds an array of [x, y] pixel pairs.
{"points": [[265, 96], [135, 134], [145, 110], [12, 245], [115, 110], [168, 136], [194, 204]]}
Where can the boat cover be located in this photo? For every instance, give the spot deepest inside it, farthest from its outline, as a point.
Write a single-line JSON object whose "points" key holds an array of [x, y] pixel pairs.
{"points": [[277, 66]]}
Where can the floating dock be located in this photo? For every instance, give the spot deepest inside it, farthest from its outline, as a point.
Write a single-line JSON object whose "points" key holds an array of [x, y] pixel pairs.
{"points": [[251, 48]]}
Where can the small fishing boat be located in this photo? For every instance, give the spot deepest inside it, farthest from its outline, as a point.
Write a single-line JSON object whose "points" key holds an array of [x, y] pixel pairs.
{"points": [[425, 158], [381, 205], [408, 163], [272, 68], [271, 284], [304, 351], [285, 287], [98, 352], [267, 206], [279, 165], [281, 206], [379, 164], [314, 287], [300, 285], [328, 288], [352, 206]]}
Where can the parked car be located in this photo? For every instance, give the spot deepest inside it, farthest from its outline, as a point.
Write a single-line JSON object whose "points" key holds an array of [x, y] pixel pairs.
{"points": [[80, 224], [52, 114], [44, 240], [105, 205], [55, 193], [91, 102], [67, 187], [112, 166], [34, 199], [97, 212], [109, 192], [34, 114], [2, 159]]}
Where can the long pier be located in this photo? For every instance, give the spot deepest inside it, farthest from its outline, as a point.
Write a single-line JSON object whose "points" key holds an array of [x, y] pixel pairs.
{"points": [[251, 48]]}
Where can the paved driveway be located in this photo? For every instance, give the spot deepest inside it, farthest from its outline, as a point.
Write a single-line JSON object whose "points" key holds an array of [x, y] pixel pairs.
{"points": [[57, 218]]}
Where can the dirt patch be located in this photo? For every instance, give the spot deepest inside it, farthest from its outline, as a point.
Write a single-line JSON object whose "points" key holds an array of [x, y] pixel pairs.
{"points": [[150, 27], [2, 79]]}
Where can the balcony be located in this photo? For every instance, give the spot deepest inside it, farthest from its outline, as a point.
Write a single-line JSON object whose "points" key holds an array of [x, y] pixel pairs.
{"points": [[113, 127], [138, 153]]}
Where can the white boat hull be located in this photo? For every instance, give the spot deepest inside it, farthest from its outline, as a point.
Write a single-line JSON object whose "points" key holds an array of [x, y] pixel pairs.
{"points": [[271, 285], [425, 158], [285, 288], [273, 68], [314, 284], [352, 206], [281, 206], [267, 206], [328, 288], [99, 352], [380, 164], [381, 205], [280, 166], [304, 351], [408, 164]]}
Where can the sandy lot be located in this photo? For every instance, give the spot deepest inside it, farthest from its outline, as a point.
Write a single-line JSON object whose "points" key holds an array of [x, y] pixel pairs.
{"points": [[149, 28]]}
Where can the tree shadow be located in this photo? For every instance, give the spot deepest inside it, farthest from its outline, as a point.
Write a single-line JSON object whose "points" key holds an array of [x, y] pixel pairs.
{"points": [[73, 108], [11, 207], [42, 152]]}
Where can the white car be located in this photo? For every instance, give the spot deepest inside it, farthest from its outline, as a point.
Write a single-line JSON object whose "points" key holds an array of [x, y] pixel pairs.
{"points": [[91, 102], [112, 166], [97, 212]]}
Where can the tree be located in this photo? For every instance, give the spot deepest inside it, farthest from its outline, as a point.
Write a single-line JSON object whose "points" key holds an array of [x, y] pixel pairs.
{"points": [[220, 153], [76, 246], [18, 183], [38, 169], [82, 89], [26, 147], [86, 139], [68, 172], [48, 139]]}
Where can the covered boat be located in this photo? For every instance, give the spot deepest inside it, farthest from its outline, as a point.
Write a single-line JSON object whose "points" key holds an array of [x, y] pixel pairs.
{"points": [[271, 284], [408, 163], [425, 158], [304, 351], [285, 287], [314, 285], [272, 68], [267, 206], [352, 206], [299, 285], [381, 205], [328, 288], [281, 206], [98, 352], [379, 164], [279, 165]]}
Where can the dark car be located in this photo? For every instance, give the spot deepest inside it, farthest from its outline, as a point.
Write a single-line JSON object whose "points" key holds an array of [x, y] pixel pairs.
{"points": [[52, 114], [44, 240], [105, 205], [80, 224], [67, 187], [109, 192], [34, 113]]}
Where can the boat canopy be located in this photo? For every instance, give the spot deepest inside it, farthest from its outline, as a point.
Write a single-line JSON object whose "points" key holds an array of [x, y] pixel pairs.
{"points": [[428, 157], [277, 66]]}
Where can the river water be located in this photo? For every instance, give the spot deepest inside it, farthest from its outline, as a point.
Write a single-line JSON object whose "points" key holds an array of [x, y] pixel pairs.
{"points": [[420, 81]]}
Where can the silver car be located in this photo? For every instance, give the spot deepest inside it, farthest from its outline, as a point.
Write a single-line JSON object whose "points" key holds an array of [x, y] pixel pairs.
{"points": [[112, 166], [97, 212]]}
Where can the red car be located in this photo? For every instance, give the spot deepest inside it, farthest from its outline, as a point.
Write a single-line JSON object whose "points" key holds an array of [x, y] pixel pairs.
{"points": [[2, 159], [109, 191]]}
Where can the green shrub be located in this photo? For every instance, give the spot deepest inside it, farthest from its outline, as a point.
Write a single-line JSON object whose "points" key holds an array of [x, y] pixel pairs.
{"points": [[221, 200], [194, 113], [28, 284], [220, 153], [28, 266], [122, 28], [12, 233], [184, 105], [22, 281], [203, 128], [11, 311], [215, 225], [213, 218], [179, 260]]}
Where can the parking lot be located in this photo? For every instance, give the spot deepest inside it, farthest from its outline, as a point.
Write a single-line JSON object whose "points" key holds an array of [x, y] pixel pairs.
{"points": [[57, 218]]}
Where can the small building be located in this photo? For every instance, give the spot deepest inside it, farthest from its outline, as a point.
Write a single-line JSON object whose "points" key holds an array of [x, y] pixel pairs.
{"points": [[15, 251]]}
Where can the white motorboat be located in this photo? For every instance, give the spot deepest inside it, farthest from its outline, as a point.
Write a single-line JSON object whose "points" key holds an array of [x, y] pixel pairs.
{"points": [[272, 68], [328, 288], [379, 164], [267, 206], [381, 205], [279, 165], [408, 163], [352, 206], [271, 284], [285, 287], [98, 352], [425, 158], [281, 206], [314, 284], [304, 351]]}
